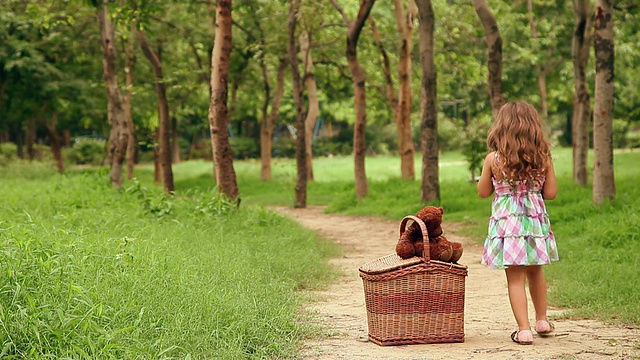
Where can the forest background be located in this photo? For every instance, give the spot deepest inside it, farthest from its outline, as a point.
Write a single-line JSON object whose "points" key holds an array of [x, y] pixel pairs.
{"points": [[58, 301]]}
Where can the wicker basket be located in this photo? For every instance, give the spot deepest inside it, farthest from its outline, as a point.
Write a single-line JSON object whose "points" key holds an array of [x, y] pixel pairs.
{"points": [[416, 300]]}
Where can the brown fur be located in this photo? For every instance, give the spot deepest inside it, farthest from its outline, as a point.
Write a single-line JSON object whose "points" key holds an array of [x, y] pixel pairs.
{"points": [[411, 242]]}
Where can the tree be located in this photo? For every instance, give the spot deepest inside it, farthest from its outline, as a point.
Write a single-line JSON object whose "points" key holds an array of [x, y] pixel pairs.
{"points": [[312, 94], [353, 34], [266, 127], [603, 181], [164, 131], [119, 133], [494, 49], [429, 137], [128, 45], [581, 102], [218, 112], [301, 156], [544, 64], [403, 114]]}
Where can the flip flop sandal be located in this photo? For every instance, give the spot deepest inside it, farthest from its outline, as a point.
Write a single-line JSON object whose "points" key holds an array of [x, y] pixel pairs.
{"points": [[515, 336], [548, 333]]}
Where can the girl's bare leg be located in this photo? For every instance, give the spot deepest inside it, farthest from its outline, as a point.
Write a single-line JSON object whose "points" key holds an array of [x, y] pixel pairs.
{"points": [[538, 290], [516, 277]]}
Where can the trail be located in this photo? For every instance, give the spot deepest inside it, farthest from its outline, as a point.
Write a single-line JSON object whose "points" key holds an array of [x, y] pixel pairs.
{"points": [[488, 319]]}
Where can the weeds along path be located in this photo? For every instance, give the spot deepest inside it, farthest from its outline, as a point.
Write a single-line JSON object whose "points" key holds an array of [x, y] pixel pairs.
{"points": [[488, 320]]}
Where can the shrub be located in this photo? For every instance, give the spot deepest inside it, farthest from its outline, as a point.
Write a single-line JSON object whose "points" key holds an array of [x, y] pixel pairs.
{"points": [[87, 152], [8, 151], [244, 147]]}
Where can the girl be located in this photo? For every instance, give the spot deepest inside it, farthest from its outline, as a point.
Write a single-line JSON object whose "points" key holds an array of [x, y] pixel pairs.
{"points": [[520, 171]]}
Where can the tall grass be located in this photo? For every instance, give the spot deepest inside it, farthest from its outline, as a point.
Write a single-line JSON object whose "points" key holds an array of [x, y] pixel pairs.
{"points": [[88, 272], [599, 245]]}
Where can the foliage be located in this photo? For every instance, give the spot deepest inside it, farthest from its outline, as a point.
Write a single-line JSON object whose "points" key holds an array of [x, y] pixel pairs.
{"points": [[90, 272], [8, 151], [475, 147], [87, 152], [244, 148]]}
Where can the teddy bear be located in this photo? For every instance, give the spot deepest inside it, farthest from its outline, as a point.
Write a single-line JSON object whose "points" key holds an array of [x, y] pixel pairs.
{"points": [[411, 240]]}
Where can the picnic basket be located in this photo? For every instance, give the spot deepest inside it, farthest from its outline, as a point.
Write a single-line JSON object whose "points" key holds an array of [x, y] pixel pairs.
{"points": [[415, 300]]}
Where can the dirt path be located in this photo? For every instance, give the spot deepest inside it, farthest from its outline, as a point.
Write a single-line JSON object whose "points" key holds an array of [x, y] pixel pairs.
{"points": [[488, 319]]}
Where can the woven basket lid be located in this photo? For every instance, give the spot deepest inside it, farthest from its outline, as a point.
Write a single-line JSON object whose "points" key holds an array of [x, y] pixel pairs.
{"points": [[389, 263], [394, 262]]}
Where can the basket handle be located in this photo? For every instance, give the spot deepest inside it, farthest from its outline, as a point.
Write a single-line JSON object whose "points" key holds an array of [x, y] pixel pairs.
{"points": [[425, 235]]}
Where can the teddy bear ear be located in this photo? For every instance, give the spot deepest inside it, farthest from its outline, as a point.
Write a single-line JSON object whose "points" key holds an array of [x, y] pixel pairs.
{"points": [[441, 210]]}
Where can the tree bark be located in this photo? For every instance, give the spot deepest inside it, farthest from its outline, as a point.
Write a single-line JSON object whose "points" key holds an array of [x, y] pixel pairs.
{"points": [[359, 80], [386, 68], [603, 180], [164, 133], [175, 143], [130, 65], [541, 70], [494, 46], [312, 95], [55, 140], [225, 174], [119, 134], [30, 138], [403, 115], [429, 136], [266, 127], [301, 155], [582, 109]]}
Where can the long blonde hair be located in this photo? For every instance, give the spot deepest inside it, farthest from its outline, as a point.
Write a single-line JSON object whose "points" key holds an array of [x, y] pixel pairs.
{"points": [[519, 138]]}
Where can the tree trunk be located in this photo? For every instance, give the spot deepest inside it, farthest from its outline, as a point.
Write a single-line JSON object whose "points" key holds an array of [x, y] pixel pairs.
{"points": [[119, 134], [164, 134], [175, 143], [494, 46], [541, 71], [157, 166], [266, 127], [130, 65], [301, 155], [603, 181], [357, 74], [386, 68], [403, 115], [312, 95], [225, 174], [429, 135], [30, 138], [55, 141], [582, 110]]}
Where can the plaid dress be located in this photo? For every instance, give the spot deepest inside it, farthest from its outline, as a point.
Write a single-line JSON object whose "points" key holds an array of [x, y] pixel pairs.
{"points": [[519, 228]]}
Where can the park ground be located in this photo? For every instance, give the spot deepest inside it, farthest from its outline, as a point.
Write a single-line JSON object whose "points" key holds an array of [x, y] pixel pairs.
{"points": [[341, 309]]}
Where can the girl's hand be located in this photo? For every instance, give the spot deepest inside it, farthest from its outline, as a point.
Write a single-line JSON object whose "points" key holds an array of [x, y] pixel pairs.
{"points": [[485, 186]]}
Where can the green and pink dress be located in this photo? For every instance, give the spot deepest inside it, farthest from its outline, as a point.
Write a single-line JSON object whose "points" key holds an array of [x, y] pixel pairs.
{"points": [[519, 228]]}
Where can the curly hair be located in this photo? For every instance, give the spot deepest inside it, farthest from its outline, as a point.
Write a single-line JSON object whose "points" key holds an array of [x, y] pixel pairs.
{"points": [[518, 136]]}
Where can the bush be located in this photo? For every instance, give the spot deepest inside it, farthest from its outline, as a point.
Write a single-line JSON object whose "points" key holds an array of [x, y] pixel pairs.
{"points": [[8, 151], [620, 129], [245, 148], [87, 152]]}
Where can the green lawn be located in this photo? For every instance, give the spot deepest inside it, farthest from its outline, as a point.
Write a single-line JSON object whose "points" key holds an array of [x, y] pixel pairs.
{"points": [[88, 271], [597, 275]]}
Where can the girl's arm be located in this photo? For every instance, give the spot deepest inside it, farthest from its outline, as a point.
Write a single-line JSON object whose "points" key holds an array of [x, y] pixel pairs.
{"points": [[550, 187], [485, 186]]}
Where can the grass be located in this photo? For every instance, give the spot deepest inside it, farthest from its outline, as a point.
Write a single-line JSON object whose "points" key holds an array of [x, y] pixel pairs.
{"points": [[598, 245], [88, 272]]}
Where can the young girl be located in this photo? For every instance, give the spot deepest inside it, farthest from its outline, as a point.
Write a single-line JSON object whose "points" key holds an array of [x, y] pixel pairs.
{"points": [[520, 171]]}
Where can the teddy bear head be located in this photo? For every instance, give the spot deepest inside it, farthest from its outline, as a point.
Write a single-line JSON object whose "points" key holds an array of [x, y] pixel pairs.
{"points": [[432, 218]]}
